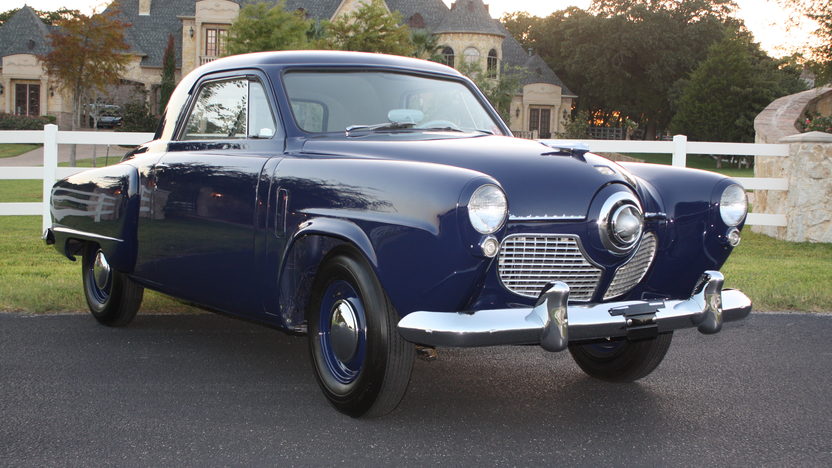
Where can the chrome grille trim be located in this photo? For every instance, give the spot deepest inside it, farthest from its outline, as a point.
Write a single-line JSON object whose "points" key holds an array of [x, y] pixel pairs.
{"points": [[528, 262], [632, 272]]}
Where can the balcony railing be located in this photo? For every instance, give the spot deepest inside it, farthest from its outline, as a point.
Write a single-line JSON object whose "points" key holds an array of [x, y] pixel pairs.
{"points": [[203, 59]]}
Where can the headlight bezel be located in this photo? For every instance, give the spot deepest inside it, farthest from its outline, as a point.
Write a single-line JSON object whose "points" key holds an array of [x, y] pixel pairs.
{"points": [[733, 205], [486, 197]]}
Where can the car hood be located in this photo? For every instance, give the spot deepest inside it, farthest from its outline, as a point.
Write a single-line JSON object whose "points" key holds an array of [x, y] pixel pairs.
{"points": [[539, 183]]}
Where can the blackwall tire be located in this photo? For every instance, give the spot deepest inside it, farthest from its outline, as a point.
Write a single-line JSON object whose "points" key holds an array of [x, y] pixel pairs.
{"points": [[621, 361], [112, 297], [361, 362]]}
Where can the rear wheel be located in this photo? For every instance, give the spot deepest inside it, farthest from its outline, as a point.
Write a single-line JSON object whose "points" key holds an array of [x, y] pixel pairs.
{"points": [[621, 361], [361, 362], [112, 297]]}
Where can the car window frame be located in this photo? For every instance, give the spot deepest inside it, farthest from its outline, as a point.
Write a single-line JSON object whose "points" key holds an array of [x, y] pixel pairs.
{"points": [[248, 74], [291, 120]]}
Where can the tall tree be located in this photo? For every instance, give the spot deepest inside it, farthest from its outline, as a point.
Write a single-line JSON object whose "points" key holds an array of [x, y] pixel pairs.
{"points": [[624, 57], [370, 28], [820, 56], [521, 25], [264, 26], [168, 74], [88, 54], [729, 88]]}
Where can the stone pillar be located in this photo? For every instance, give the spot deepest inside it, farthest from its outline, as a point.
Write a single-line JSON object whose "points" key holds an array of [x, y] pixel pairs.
{"points": [[7, 95], [808, 202], [44, 95]]}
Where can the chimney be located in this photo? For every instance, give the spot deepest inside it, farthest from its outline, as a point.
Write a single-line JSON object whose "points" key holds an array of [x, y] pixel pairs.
{"points": [[530, 51], [144, 7]]}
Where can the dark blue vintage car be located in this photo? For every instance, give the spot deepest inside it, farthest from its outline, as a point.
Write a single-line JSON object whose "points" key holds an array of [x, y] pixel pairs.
{"points": [[379, 204]]}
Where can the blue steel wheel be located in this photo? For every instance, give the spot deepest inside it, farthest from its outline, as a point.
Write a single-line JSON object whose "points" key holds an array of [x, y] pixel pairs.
{"points": [[622, 360], [361, 362], [112, 297]]}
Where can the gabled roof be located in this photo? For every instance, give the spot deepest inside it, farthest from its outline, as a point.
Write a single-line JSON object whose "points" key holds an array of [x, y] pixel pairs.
{"points": [[469, 16], [319, 9], [432, 11], [148, 35], [24, 33], [534, 67]]}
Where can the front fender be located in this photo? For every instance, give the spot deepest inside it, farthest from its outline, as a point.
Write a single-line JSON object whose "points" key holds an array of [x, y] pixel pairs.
{"points": [[404, 217], [689, 202]]}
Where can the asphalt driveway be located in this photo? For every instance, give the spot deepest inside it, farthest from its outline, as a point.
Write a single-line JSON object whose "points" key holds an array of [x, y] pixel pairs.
{"points": [[196, 390]]}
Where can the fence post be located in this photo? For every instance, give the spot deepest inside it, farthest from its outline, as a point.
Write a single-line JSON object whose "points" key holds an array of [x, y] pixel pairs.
{"points": [[680, 157], [50, 168]]}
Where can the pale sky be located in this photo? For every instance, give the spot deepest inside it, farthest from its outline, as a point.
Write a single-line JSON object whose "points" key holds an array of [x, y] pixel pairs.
{"points": [[764, 18]]}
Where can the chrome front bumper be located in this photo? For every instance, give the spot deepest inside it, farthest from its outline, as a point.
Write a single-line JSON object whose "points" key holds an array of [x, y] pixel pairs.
{"points": [[553, 323]]}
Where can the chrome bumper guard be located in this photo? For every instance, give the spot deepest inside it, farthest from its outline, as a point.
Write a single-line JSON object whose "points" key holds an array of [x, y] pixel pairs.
{"points": [[553, 323]]}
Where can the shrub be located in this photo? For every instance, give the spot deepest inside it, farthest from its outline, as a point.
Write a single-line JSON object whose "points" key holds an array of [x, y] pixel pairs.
{"points": [[137, 118], [24, 122], [817, 123]]}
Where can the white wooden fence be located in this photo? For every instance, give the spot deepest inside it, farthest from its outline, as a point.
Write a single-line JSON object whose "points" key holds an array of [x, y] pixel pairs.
{"points": [[679, 147], [50, 172]]}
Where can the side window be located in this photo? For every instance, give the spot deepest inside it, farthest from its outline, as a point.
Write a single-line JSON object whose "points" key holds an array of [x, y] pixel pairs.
{"points": [[230, 109], [260, 119]]}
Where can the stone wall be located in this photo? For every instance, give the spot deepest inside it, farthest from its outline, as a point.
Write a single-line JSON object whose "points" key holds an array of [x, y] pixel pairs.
{"points": [[808, 169]]}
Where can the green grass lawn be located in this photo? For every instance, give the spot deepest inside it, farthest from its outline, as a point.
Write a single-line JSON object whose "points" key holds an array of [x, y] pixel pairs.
{"points": [[695, 161], [10, 150], [35, 278]]}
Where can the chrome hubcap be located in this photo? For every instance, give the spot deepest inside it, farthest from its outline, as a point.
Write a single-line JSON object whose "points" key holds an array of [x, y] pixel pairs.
{"points": [[101, 270], [344, 331]]}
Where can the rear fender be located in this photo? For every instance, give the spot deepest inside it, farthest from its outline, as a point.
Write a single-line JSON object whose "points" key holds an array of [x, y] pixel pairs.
{"points": [[100, 206]]}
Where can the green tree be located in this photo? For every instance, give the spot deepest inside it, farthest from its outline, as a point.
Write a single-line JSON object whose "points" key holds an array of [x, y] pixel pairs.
{"points": [[370, 28], [168, 74], [499, 91], [521, 25], [88, 54], [263, 26], [820, 56], [425, 45], [728, 89], [624, 57]]}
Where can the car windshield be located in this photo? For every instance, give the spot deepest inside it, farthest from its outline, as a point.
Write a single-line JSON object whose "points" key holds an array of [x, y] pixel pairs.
{"points": [[332, 101]]}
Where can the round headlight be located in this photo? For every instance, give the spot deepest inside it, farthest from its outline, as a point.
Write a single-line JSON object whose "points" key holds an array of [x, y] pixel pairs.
{"points": [[487, 209], [621, 222], [626, 224], [733, 205]]}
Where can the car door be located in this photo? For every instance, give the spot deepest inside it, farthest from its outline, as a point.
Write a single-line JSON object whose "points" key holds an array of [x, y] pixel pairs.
{"points": [[206, 203]]}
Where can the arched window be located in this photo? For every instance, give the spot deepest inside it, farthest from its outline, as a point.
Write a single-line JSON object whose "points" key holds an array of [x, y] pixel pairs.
{"points": [[448, 56], [491, 64], [471, 55]]}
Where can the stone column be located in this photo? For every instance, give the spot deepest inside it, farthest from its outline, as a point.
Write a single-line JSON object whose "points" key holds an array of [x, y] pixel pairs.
{"points": [[7, 95], [808, 202]]}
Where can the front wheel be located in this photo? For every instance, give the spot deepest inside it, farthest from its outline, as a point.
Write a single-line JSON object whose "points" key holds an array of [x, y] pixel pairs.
{"points": [[621, 361], [361, 362], [112, 297]]}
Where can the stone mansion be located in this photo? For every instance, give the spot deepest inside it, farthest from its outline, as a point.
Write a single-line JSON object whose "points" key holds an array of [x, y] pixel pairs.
{"points": [[465, 32]]}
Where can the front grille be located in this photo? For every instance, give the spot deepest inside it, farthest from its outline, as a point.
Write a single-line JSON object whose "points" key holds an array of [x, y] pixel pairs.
{"points": [[529, 261], [629, 274]]}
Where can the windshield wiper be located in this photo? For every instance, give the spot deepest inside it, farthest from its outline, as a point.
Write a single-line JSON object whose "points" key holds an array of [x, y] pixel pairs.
{"points": [[381, 126]]}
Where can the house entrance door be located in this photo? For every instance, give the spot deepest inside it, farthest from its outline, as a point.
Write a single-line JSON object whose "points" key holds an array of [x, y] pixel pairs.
{"points": [[26, 99], [540, 120]]}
